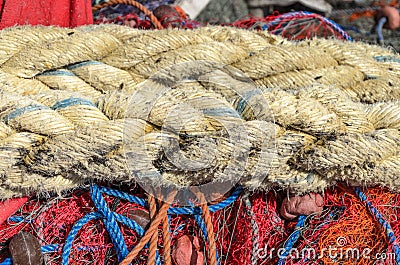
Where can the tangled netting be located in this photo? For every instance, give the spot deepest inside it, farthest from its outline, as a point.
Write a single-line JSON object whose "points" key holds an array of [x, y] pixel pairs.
{"points": [[194, 107], [295, 26], [76, 229]]}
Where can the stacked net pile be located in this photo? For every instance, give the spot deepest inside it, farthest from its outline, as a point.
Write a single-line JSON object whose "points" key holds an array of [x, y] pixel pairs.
{"points": [[140, 14], [248, 229], [295, 26]]}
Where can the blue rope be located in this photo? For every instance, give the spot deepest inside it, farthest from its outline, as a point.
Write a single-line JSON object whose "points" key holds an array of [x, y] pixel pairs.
{"points": [[111, 220], [380, 218], [74, 231], [106, 215], [174, 210], [379, 28], [57, 73], [20, 111], [59, 105], [292, 239], [383, 58], [81, 64], [110, 223], [71, 102]]}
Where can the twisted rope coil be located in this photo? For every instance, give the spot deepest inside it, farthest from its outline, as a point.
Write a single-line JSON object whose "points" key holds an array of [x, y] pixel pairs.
{"points": [[80, 104]]}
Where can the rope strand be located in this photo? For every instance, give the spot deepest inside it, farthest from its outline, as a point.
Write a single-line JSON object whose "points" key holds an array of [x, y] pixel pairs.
{"points": [[154, 239], [150, 231], [212, 248]]}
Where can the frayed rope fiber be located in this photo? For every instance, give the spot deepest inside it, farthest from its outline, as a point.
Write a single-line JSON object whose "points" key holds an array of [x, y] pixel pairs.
{"points": [[194, 107]]}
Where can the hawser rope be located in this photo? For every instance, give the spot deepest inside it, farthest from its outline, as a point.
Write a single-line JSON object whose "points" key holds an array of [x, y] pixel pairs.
{"points": [[111, 220], [354, 119]]}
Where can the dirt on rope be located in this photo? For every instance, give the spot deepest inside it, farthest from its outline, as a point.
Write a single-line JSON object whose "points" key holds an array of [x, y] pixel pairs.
{"points": [[190, 107]]}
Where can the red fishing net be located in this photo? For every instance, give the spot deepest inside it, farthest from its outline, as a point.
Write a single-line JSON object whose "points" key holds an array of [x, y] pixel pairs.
{"points": [[250, 228]]}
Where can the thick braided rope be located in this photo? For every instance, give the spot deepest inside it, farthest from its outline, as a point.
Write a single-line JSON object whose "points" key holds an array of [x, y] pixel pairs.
{"points": [[136, 4], [289, 243], [70, 96], [150, 231], [382, 221]]}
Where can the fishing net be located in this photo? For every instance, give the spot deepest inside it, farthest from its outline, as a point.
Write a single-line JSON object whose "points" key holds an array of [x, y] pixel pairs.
{"points": [[248, 228]]}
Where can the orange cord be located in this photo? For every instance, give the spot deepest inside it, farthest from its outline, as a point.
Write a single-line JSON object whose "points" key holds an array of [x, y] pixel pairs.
{"points": [[139, 6], [167, 241], [162, 213], [212, 248], [154, 239]]}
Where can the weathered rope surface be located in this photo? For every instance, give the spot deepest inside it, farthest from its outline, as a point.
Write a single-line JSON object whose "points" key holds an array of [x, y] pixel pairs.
{"points": [[190, 107]]}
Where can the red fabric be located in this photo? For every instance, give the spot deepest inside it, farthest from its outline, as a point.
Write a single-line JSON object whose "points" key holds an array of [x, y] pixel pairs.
{"points": [[8, 207], [64, 13]]}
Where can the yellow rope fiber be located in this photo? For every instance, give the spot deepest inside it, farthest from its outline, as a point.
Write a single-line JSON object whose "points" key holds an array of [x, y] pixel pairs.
{"points": [[189, 107]]}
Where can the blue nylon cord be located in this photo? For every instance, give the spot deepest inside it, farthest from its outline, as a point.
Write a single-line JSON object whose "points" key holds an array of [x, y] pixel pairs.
{"points": [[381, 219], [292, 239], [111, 218]]}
